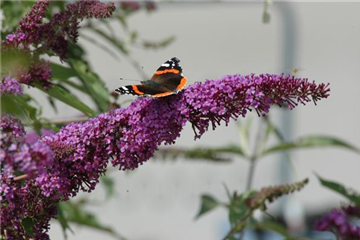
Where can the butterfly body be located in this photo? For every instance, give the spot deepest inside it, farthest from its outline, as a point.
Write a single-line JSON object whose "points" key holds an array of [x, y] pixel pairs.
{"points": [[167, 80]]}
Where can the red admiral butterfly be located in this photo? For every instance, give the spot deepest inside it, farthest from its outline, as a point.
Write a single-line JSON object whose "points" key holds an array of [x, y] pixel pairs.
{"points": [[167, 80]]}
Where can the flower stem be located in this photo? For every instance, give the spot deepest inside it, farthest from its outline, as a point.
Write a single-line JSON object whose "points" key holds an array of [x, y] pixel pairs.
{"points": [[253, 159], [21, 177]]}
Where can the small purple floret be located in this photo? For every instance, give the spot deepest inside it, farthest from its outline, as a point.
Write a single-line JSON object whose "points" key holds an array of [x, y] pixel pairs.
{"points": [[10, 86]]}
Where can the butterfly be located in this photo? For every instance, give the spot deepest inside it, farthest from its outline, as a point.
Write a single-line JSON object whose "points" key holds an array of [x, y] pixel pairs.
{"points": [[167, 80]]}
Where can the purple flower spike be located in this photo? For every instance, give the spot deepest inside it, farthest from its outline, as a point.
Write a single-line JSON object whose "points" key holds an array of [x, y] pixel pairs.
{"points": [[131, 136], [10, 86]]}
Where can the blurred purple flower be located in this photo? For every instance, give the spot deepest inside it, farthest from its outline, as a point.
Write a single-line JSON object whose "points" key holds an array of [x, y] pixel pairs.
{"points": [[133, 6], [63, 26], [130, 5], [11, 37], [338, 221], [39, 72], [10, 86], [34, 37], [20, 202], [18, 156], [150, 5], [32, 137], [11, 127]]}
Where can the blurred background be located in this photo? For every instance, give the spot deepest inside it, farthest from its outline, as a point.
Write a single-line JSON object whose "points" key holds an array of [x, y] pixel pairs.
{"points": [[160, 199]]}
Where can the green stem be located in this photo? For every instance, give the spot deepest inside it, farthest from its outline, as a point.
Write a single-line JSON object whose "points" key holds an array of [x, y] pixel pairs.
{"points": [[255, 155], [253, 159], [251, 173]]}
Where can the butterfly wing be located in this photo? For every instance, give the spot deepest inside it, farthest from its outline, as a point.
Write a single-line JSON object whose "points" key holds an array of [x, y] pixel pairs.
{"points": [[155, 90], [169, 75]]}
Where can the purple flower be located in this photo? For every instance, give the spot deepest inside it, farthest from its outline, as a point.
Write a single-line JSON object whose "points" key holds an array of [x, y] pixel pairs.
{"points": [[11, 126], [15, 38], [32, 21], [338, 222], [24, 202], [39, 72], [11, 37], [18, 156], [10, 86]]}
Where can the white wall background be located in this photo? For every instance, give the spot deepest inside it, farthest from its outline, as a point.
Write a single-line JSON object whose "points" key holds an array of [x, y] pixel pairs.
{"points": [[160, 199]]}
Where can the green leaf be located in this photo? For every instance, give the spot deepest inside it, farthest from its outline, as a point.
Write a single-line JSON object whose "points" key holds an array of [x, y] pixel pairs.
{"points": [[93, 83], [28, 225], [10, 104], [76, 213], [238, 209], [208, 203], [158, 44], [115, 42], [14, 11], [62, 94], [266, 17], [11, 61], [109, 185], [270, 129], [63, 74], [273, 226], [228, 194], [339, 188], [101, 46], [244, 135], [311, 142], [52, 104], [19, 106], [239, 213], [63, 221], [122, 21], [203, 153]]}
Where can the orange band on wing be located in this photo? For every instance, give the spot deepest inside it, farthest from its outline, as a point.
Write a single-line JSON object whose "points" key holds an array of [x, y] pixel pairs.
{"points": [[136, 90], [167, 71], [182, 84], [163, 94]]}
